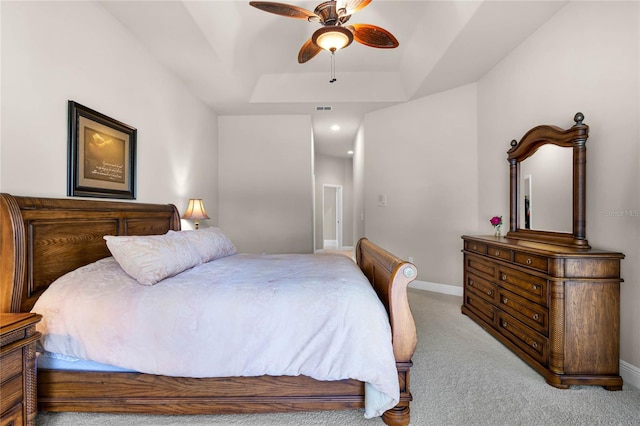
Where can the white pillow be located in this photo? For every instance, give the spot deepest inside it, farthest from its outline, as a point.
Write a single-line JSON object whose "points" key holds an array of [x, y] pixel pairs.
{"points": [[150, 259], [210, 243]]}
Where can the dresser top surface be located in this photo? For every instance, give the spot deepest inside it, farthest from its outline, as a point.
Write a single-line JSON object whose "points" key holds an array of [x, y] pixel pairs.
{"points": [[542, 248], [13, 321]]}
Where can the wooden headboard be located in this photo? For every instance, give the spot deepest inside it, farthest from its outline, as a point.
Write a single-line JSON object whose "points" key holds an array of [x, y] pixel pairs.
{"points": [[42, 239]]}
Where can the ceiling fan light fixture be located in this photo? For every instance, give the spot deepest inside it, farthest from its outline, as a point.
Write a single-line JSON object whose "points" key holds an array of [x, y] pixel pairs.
{"points": [[332, 38]]}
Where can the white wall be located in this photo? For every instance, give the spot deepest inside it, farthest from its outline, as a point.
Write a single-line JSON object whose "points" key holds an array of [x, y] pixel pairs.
{"points": [[584, 59], [423, 156], [335, 171], [58, 51], [358, 185], [265, 183]]}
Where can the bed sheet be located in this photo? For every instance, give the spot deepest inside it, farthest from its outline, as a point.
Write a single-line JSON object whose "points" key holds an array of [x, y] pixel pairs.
{"points": [[242, 315]]}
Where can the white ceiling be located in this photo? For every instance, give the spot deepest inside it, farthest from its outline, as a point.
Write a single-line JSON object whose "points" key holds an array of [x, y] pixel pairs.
{"points": [[241, 60]]}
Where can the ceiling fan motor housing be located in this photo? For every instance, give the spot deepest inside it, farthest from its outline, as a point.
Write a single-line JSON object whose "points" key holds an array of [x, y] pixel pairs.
{"points": [[330, 15]]}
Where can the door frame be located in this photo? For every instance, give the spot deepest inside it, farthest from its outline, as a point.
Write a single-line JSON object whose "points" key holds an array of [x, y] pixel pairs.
{"points": [[338, 215]]}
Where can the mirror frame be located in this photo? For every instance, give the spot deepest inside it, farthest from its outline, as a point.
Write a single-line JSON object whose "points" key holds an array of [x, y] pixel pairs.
{"points": [[575, 138]]}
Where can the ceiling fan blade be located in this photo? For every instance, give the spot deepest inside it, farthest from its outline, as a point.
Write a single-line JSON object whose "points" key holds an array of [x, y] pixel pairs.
{"points": [[373, 36], [352, 6], [308, 50], [285, 10]]}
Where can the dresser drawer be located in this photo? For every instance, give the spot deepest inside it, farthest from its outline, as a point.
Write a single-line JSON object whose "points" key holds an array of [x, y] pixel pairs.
{"points": [[10, 364], [481, 307], [475, 247], [534, 344], [11, 393], [13, 417], [528, 286], [531, 261], [532, 314], [483, 288], [499, 253], [480, 266]]}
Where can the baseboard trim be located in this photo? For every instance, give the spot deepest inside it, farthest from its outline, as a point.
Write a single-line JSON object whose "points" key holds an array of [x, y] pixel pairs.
{"points": [[630, 373], [437, 288], [328, 249], [330, 244]]}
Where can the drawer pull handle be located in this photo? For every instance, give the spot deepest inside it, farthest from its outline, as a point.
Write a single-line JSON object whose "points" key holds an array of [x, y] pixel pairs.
{"points": [[529, 261], [504, 277], [471, 283], [535, 287], [497, 252], [505, 324], [475, 247], [490, 292], [505, 300], [535, 345], [536, 317]]}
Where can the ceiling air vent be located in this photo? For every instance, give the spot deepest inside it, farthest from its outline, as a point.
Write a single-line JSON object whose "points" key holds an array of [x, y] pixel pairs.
{"points": [[323, 108]]}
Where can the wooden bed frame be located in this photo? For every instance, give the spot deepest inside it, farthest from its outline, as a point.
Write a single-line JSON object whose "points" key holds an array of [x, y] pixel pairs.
{"points": [[43, 238]]}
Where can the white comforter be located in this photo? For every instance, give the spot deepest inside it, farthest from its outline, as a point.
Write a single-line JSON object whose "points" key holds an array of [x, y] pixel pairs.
{"points": [[243, 315]]}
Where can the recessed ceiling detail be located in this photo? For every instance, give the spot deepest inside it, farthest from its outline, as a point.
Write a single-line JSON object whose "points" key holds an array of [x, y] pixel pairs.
{"points": [[241, 61]]}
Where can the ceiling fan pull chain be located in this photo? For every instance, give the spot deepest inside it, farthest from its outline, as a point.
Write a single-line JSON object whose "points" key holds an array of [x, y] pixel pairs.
{"points": [[333, 66]]}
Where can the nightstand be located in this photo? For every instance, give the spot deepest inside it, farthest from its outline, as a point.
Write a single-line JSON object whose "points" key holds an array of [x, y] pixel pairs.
{"points": [[18, 335]]}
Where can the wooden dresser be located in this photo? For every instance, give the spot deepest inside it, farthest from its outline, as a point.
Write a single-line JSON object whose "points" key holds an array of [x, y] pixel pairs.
{"points": [[18, 368], [556, 307]]}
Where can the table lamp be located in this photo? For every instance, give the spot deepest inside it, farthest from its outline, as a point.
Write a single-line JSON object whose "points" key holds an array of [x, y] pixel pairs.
{"points": [[195, 210]]}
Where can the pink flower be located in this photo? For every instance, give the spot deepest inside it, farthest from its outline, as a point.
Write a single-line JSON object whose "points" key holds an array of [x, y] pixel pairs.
{"points": [[496, 220]]}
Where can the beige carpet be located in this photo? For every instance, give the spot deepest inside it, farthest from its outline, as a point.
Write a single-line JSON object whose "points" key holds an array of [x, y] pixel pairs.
{"points": [[461, 376]]}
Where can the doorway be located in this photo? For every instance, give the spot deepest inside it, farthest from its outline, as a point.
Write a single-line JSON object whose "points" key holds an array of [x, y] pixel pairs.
{"points": [[332, 216]]}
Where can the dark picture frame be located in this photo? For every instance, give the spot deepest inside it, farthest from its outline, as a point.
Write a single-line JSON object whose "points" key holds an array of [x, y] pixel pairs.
{"points": [[101, 155]]}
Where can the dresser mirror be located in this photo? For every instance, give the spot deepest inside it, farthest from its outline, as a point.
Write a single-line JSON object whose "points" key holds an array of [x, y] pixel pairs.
{"points": [[546, 190], [547, 185]]}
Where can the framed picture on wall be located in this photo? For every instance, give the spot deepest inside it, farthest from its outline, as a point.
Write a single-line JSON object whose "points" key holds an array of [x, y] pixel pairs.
{"points": [[101, 155]]}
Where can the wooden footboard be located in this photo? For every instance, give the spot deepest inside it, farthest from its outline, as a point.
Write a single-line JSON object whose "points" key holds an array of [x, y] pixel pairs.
{"points": [[41, 239], [390, 277]]}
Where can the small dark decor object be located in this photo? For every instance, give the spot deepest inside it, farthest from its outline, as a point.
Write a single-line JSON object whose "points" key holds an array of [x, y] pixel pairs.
{"points": [[102, 155]]}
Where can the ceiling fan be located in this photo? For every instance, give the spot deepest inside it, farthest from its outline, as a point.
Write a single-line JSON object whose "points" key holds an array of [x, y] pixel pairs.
{"points": [[333, 35]]}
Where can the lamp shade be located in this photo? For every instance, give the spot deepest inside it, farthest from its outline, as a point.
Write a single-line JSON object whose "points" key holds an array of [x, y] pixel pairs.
{"points": [[332, 38], [195, 210]]}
